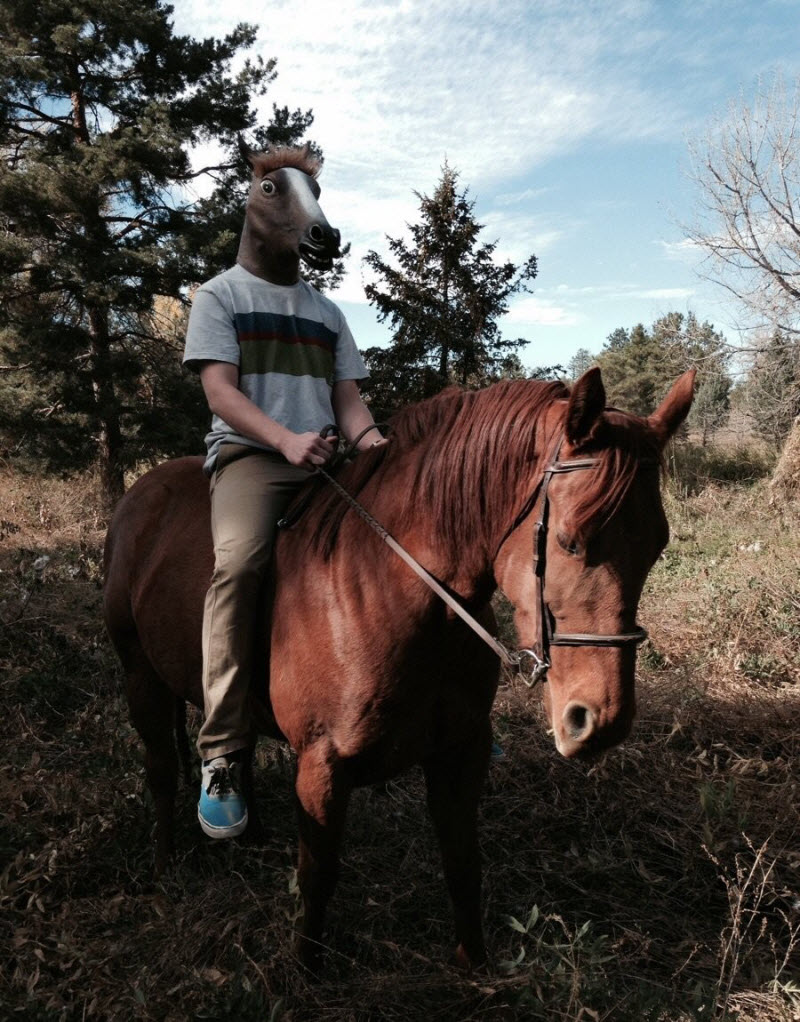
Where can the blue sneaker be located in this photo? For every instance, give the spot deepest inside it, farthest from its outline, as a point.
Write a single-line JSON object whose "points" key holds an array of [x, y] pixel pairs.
{"points": [[222, 810]]}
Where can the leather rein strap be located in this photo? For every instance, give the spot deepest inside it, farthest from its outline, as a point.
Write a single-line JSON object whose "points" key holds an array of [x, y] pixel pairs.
{"points": [[518, 660], [507, 656]]}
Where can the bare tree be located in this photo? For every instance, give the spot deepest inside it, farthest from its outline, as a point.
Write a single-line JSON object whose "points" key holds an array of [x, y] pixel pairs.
{"points": [[747, 169]]}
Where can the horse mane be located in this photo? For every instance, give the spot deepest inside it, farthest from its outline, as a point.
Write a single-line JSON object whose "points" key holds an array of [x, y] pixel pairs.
{"points": [[300, 157], [623, 443], [480, 447]]}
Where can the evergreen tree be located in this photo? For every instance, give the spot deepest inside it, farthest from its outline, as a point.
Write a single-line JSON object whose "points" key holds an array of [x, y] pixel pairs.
{"points": [[101, 106], [633, 373], [442, 299], [582, 360], [639, 365], [772, 391]]}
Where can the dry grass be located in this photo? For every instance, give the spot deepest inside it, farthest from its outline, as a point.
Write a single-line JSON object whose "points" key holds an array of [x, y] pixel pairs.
{"points": [[661, 883]]}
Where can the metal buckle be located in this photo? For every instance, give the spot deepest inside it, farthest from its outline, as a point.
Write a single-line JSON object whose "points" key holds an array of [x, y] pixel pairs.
{"points": [[538, 667]]}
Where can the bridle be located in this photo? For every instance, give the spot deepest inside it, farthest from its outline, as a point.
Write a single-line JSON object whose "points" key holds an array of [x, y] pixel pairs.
{"points": [[532, 663], [539, 658]]}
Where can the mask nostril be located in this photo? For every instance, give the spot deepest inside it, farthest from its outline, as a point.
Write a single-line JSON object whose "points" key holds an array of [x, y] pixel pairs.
{"points": [[316, 233]]}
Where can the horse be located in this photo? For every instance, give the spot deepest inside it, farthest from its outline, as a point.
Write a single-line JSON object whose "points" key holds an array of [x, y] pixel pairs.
{"points": [[531, 486]]}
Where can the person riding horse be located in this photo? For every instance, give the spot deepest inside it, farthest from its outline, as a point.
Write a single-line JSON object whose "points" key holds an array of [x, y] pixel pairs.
{"points": [[533, 487], [277, 363]]}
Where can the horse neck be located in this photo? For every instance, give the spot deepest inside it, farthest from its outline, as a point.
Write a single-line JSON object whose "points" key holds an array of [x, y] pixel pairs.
{"points": [[454, 503]]}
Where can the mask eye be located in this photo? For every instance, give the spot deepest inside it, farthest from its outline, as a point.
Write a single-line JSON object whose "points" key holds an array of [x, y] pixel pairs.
{"points": [[267, 186], [569, 546]]}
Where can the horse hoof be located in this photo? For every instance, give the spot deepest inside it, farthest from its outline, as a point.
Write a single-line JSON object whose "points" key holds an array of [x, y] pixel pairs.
{"points": [[309, 952], [163, 860], [255, 834], [467, 962]]}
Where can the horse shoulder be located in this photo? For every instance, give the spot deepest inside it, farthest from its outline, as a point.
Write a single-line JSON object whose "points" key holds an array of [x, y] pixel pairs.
{"points": [[349, 642]]}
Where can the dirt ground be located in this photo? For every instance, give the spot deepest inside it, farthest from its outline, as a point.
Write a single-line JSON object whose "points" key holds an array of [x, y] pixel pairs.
{"points": [[661, 883]]}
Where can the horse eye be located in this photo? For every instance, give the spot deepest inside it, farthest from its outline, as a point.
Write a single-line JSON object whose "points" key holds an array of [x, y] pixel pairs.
{"points": [[267, 186], [569, 545]]}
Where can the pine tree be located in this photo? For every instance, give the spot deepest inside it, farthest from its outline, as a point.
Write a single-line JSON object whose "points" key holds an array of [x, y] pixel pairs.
{"points": [[101, 107], [442, 296], [633, 369], [582, 360], [639, 365], [687, 342], [772, 391]]}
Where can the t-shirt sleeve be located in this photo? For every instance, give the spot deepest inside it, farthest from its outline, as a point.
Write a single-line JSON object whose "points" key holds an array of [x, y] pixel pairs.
{"points": [[349, 363], [211, 333]]}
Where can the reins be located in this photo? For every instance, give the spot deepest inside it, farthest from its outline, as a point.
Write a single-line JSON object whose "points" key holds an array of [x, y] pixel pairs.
{"points": [[507, 656], [517, 660]]}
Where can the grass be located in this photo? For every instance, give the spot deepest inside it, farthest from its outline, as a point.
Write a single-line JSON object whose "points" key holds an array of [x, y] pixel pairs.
{"points": [[660, 883]]}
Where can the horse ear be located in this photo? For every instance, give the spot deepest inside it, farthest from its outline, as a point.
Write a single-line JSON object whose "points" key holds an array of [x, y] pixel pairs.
{"points": [[675, 406], [587, 401], [245, 152]]}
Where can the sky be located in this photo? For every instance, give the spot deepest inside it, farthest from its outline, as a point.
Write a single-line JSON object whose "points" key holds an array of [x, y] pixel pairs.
{"points": [[567, 123]]}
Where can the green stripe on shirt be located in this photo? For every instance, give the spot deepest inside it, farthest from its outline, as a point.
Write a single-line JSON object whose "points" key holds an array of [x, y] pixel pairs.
{"points": [[290, 357]]}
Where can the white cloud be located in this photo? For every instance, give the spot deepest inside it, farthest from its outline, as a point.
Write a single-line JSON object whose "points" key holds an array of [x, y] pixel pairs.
{"points": [[664, 293], [534, 311], [682, 251], [397, 87], [517, 198], [621, 292]]}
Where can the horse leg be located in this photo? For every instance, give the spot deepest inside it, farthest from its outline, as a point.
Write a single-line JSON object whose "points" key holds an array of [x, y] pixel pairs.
{"points": [[321, 808], [454, 780], [182, 741], [152, 708], [255, 833]]}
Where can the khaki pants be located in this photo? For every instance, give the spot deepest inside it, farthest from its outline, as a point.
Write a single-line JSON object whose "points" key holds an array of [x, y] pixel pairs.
{"points": [[250, 491]]}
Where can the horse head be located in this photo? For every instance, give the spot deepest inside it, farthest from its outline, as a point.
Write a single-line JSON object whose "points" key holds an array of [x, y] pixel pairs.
{"points": [[576, 565], [283, 219]]}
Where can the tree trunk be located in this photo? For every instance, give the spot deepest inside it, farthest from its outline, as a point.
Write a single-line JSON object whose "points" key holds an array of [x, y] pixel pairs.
{"points": [[444, 321], [108, 432]]}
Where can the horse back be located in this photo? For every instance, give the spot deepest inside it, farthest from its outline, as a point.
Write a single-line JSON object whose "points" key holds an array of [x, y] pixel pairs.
{"points": [[158, 560]]}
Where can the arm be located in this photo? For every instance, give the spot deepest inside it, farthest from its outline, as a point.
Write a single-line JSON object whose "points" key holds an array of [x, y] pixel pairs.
{"points": [[353, 416], [221, 385]]}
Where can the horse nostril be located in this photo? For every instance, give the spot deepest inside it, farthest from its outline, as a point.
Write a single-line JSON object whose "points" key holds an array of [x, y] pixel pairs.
{"points": [[579, 721], [316, 234]]}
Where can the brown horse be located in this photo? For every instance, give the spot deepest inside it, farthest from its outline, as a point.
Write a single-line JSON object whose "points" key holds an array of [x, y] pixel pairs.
{"points": [[369, 672]]}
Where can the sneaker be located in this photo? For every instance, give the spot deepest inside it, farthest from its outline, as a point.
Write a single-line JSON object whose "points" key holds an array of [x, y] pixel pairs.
{"points": [[222, 810]]}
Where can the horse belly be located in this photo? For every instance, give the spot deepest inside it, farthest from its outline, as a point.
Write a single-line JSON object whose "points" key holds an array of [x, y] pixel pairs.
{"points": [[158, 563]]}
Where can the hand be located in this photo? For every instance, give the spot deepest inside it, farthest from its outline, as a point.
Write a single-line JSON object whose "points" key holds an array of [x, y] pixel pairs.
{"points": [[308, 450]]}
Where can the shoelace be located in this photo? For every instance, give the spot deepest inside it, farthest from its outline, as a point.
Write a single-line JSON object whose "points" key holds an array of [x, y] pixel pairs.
{"points": [[222, 783]]}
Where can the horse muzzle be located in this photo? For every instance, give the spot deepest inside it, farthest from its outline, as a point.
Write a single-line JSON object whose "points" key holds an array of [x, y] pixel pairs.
{"points": [[319, 246], [583, 728]]}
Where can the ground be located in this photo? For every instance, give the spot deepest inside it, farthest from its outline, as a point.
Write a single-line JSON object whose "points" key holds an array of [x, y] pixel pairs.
{"points": [[661, 883]]}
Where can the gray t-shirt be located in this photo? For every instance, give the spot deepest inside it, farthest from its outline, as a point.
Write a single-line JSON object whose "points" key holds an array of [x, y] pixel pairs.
{"points": [[291, 345]]}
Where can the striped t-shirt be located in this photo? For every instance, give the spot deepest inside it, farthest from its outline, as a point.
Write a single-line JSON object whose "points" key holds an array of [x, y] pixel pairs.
{"points": [[291, 345]]}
